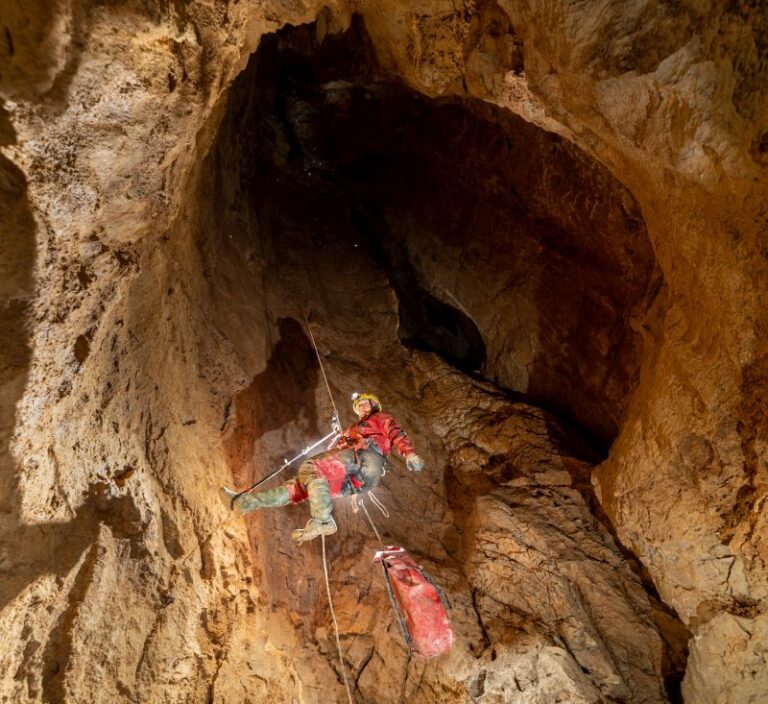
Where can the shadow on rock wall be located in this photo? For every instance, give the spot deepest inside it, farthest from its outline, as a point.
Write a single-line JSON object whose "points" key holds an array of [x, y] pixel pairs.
{"points": [[38, 51], [278, 396], [31, 551], [511, 252], [17, 255]]}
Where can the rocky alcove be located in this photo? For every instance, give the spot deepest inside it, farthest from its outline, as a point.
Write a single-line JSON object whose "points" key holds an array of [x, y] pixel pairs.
{"points": [[535, 232]]}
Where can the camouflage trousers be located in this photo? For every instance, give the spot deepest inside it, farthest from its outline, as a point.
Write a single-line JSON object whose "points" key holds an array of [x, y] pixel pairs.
{"points": [[363, 470]]}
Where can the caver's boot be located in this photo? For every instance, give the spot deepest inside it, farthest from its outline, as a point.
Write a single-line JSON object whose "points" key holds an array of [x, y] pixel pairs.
{"points": [[228, 497], [269, 498], [320, 506], [314, 529]]}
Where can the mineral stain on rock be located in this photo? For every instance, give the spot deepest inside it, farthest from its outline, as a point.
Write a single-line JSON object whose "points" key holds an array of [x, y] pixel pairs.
{"points": [[535, 230]]}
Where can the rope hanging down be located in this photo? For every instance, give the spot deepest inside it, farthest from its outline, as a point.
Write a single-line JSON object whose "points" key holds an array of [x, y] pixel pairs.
{"points": [[335, 623], [337, 425], [337, 430]]}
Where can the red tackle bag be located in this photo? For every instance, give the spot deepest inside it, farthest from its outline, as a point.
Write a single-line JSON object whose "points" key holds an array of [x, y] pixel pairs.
{"points": [[420, 605]]}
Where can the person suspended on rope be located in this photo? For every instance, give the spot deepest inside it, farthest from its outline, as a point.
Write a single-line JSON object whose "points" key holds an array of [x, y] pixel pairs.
{"points": [[354, 465]]}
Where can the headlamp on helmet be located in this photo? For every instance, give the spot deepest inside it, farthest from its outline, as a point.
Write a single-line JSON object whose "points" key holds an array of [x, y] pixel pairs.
{"points": [[358, 398]]}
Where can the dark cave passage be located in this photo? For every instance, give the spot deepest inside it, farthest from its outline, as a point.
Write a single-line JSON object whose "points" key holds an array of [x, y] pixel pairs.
{"points": [[401, 225], [511, 253]]}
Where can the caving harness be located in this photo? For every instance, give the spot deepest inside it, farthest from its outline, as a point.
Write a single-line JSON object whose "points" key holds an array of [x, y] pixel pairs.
{"points": [[419, 604]]}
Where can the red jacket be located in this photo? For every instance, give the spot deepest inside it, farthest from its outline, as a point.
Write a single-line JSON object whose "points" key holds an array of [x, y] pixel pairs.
{"points": [[378, 428]]}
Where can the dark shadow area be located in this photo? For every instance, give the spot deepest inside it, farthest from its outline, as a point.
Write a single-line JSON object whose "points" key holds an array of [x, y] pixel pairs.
{"points": [[17, 257], [281, 396], [512, 253], [426, 323], [283, 393]]}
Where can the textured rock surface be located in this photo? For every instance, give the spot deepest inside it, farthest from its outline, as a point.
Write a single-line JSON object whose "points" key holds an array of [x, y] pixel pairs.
{"points": [[155, 275]]}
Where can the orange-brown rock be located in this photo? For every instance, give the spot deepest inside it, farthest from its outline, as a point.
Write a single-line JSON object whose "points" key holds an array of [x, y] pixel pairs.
{"points": [[536, 229]]}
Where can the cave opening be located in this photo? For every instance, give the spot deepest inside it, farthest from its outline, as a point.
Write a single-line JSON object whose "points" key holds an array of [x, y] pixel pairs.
{"points": [[512, 254]]}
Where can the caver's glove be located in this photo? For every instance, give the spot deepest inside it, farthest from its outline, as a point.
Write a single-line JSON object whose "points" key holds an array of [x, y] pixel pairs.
{"points": [[414, 463]]}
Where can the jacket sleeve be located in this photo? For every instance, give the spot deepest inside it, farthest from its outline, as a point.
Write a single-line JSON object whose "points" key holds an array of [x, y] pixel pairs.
{"points": [[347, 438], [398, 437]]}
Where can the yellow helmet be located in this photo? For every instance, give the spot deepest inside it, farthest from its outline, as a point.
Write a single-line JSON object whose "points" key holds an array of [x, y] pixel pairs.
{"points": [[358, 398]]}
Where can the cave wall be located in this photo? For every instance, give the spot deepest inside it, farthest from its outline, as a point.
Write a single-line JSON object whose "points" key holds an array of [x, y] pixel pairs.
{"points": [[284, 214], [671, 98], [445, 192], [116, 383]]}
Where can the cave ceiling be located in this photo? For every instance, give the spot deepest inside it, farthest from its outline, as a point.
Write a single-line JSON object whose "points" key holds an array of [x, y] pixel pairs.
{"points": [[536, 230]]}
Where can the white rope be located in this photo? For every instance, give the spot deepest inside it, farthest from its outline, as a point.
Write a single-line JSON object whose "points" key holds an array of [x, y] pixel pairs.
{"points": [[379, 505], [335, 623], [370, 520], [322, 369]]}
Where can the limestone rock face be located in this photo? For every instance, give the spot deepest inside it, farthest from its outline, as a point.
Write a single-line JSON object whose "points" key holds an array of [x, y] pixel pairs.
{"points": [[536, 229]]}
